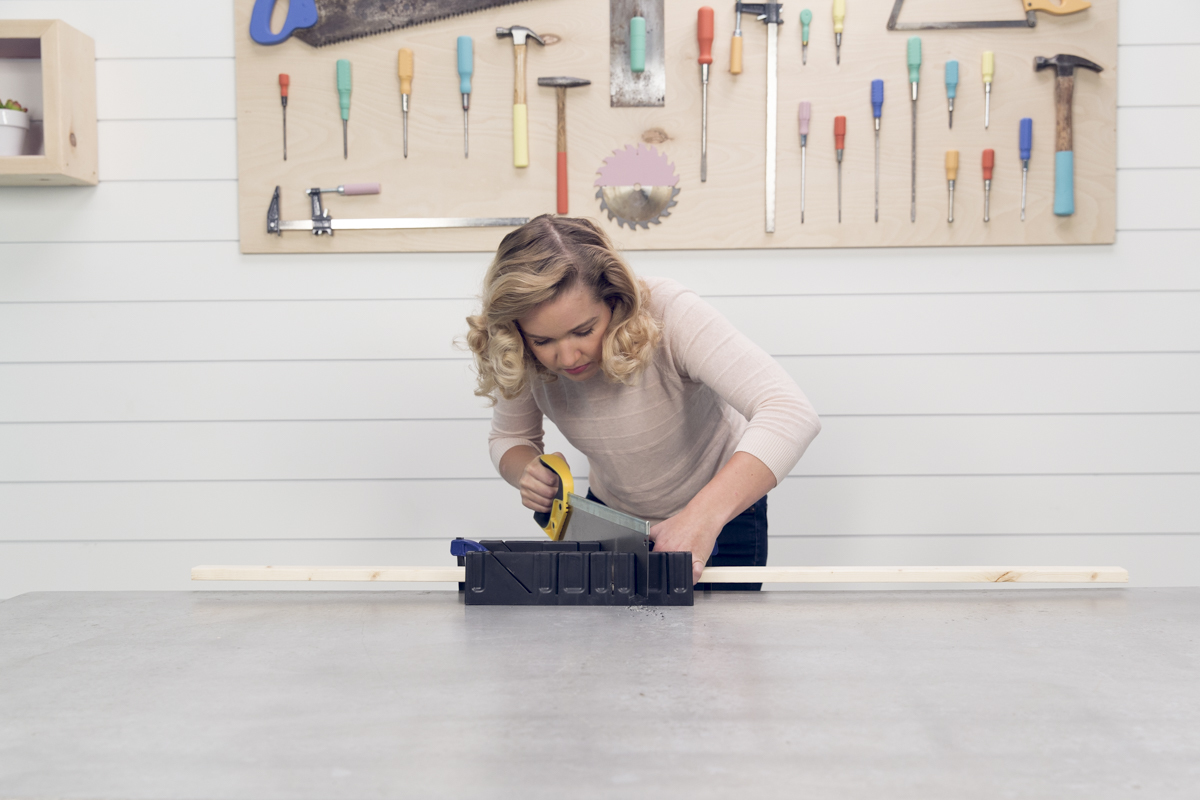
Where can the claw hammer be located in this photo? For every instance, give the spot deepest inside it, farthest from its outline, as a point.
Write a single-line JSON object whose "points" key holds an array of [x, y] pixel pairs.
{"points": [[1064, 156], [520, 34]]}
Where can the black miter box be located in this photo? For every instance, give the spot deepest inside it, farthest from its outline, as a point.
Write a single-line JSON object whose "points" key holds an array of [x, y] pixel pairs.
{"points": [[546, 573]]}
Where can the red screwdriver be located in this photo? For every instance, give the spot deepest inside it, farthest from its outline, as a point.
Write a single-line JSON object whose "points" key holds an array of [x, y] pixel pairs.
{"points": [[283, 90], [704, 37], [839, 142], [989, 160]]}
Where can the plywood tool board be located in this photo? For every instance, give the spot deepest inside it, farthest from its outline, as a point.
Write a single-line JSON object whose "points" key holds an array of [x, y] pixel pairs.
{"points": [[727, 211]]}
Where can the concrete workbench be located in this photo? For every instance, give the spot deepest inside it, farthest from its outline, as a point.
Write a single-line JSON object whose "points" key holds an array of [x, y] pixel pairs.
{"points": [[874, 694]]}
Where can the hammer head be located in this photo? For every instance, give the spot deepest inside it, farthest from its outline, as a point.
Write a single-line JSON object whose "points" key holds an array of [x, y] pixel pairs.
{"points": [[1065, 64], [519, 34], [563, 82]]}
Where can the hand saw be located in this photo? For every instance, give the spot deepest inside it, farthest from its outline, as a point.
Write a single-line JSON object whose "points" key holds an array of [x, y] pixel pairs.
{"points": [[322, 22], [1030, 19], [572, 518]]}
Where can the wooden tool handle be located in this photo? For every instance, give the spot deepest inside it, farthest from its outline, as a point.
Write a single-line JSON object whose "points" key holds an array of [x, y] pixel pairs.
{"points": [[519, 74], [735, 56], [1064, 92], [562, 182]]}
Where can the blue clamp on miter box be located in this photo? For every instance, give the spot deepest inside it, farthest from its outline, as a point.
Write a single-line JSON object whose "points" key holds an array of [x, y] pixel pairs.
{"points": [[546, 573]]}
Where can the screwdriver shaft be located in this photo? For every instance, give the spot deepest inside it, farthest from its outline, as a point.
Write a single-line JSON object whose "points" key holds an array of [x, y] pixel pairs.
{"points": [[466, 133], [285, 132], [839, 189], [703, 122], [877, 170], [914, 155], [987, 200], [803, 170], [345, 141], [1024, 179], [950, 216]]}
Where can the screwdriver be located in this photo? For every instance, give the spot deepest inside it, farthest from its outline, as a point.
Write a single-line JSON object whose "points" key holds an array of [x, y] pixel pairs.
{"points": [[951, 86], [914, 77], [343, 87], [284, 80], [805, 20], [989, 68], [839, 17], [466, 68], [951, 175], [877, 110], [1026, 144], [735, 44], [839, 142], [404, 69], [704, 36], [989, 160], [805, 116]]}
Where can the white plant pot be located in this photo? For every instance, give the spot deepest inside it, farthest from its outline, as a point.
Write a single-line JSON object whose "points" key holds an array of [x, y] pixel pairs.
{"points": [[13, 127]]}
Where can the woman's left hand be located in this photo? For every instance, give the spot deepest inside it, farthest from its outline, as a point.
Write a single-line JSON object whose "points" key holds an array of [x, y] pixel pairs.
{"points": [[690, 532]]}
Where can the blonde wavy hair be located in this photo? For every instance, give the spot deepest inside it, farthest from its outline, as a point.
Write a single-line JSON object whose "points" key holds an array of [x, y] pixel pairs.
{"points": [[534, 265]]}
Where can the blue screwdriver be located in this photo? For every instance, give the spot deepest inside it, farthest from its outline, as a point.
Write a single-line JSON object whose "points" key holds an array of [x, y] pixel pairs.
{"points": [[466, 68], [951, 86], [1026, 145], [877, 110]]}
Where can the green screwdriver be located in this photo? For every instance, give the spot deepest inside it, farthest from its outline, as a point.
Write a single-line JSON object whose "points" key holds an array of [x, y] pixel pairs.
{"points": [[914, 77], [805, 21], [343, 87]]}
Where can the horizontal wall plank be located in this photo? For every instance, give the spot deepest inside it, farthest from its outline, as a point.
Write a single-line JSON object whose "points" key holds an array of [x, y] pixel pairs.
{"points": [[830, 325], [457, 449], [157, 150], [1143, 71], [1150, 199], [333, 390], [149, 149], [139, 28], [121, 212], [1148, 29], [490, 508], [1158, 199], [1152, 561], [216, 271], [174, 88]]}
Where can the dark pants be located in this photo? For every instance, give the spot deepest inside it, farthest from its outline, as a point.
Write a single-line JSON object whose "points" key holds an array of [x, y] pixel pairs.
{"points": [[741, 543]]}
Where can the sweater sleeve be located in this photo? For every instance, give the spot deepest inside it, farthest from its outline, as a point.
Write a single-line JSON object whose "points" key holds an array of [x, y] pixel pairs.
{"points": [[706, 347], [515, 422]]}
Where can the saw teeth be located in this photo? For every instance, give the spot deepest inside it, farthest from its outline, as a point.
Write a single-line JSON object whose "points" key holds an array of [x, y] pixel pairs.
{"points": [[637, 186]]}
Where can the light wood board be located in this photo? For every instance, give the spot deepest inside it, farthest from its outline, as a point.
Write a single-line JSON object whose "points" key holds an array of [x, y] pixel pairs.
{"points": [[728, 210], [710, 575]]}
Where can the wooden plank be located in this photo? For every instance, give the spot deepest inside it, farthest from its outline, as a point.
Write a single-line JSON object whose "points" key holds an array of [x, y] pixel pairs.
{"points": [[808, 508], [1145, 29], [166, 566], [830, 325], [1157, 138], [727, 212], [1093, 444], [49, 272], [1142, 68], [1176, 208], [710, 575], [350, 390]]}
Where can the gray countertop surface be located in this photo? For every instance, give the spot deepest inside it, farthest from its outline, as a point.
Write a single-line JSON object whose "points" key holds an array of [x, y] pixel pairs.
{"points": [[1053, 693]]}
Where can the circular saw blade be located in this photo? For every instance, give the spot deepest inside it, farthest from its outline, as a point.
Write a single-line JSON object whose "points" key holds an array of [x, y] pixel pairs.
{"points": [[637, 186]]}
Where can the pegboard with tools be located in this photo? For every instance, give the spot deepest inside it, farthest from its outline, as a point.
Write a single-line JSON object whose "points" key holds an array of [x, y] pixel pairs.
{"points": [[637, 167]]}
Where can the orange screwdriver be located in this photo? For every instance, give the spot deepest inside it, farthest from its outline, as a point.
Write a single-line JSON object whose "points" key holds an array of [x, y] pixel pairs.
{"points": [[839, 142], [989, 160], [284, 80]]}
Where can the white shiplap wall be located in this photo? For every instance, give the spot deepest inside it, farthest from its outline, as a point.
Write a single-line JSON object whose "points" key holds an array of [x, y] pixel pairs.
{"points": [[165, 401]]}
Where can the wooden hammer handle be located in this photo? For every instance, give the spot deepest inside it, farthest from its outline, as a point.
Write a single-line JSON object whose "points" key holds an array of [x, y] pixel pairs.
{"points": [[1064, 91]]}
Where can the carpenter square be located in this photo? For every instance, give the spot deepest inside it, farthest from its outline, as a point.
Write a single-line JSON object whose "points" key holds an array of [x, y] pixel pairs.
{"points": [[1029, 21], [647, 87]]}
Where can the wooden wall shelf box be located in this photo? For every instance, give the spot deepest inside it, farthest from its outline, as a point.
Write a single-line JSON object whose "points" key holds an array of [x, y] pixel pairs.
{"points": [[68, 100]]}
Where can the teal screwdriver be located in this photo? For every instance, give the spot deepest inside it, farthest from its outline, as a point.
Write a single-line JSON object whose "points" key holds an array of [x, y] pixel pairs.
{"points": [[914, 77], [343, 87], [466, 68], [951, 86], [805, 21]]}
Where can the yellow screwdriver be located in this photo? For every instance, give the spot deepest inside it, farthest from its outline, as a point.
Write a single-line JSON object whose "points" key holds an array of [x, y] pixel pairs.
{"points": [[951, 175], [989, 69], [404, 69], [839, 17]]}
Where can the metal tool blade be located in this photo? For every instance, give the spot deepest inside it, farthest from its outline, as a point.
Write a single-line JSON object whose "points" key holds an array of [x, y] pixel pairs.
{"points": [[893, 24], [616, 531], [772, 120], [342, 20], [647, 88]]}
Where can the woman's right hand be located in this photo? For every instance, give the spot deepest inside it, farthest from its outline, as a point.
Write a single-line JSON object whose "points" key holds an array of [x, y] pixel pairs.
{"points": [[538, 485]]}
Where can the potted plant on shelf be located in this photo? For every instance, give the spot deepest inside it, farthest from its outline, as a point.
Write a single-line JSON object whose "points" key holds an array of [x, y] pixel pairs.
{"points": [[14, 124]]}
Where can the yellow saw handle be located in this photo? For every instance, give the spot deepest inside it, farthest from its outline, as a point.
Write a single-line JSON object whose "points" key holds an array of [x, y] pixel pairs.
{"points": [[554, 521], [1065, 7]]}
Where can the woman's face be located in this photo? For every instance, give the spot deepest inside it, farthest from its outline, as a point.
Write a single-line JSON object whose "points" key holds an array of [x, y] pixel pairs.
{"points": [[566, 334]]}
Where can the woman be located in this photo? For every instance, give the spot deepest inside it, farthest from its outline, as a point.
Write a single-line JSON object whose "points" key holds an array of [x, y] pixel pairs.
{"points": [[683, 419]]}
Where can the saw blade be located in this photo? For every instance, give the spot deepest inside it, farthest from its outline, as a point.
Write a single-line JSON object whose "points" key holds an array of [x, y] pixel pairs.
{"points": [[615, 530], [342, 20], [637, 186]]}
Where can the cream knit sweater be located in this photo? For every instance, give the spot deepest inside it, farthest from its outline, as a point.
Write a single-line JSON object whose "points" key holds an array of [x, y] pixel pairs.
{"points": [[708, 393]]}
